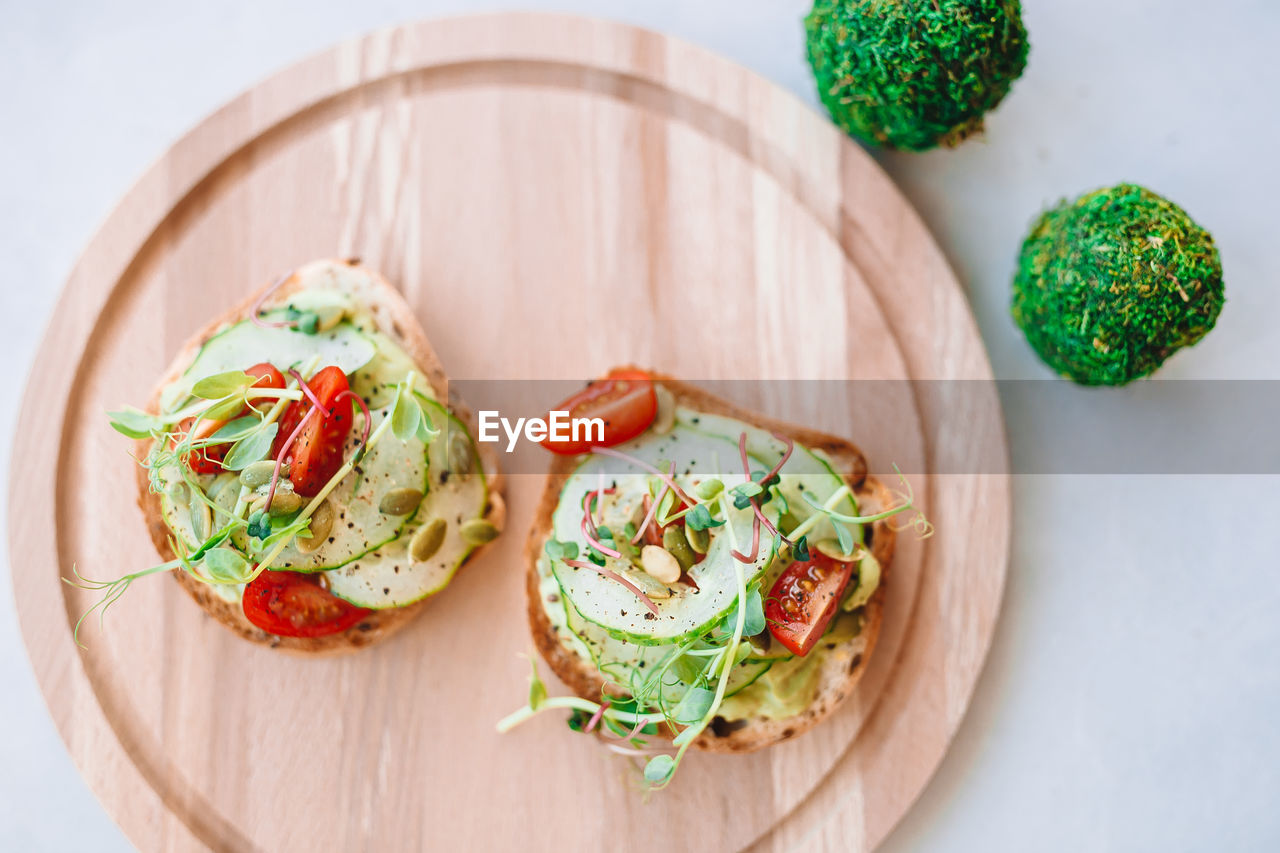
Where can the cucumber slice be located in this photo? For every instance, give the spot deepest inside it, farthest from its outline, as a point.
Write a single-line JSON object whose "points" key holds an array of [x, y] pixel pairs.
{"points": [[388, 577], [697, 455], [343, 345], [621, 661]]}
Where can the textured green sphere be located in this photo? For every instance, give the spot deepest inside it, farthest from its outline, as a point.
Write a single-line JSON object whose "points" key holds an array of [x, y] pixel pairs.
{"points": [[1110, 285], [914, 74]]}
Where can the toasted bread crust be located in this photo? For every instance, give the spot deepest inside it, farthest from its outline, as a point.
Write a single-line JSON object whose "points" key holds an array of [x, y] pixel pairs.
{"points": [[844, 665], [394, 318]]}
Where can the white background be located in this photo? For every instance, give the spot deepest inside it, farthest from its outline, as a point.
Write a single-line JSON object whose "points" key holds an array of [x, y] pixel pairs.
{"points": [[1132, 697]]}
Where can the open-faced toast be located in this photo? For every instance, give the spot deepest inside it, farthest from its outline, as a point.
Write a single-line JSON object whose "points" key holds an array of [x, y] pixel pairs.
{"points": [[843, 662], [394, 319]]}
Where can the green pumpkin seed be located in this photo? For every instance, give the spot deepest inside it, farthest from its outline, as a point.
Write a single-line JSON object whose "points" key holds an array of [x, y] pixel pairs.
{"points": [[285, 502], [699, 540], [400, 501], [201, 519], [321, 524], [259, 473], [427, 540], [478, 531], [674, 541], [459, 454]]}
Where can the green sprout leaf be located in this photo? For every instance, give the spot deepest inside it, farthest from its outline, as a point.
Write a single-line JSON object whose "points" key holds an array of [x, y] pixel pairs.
{"points": [[406, 417], [259, 524], [558, 550], [693, 706], [709, 489], [800, 548], [252, 448], [754, 623], [537, 690], [236, 429], [134, 423], [221, 385], [699, 518], [659, 769], [226, 565], [844, 536], [228, 408], [747, 490]]}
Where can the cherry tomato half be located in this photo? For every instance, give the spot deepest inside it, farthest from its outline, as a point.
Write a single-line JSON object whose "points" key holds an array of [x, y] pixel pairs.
{"points": [[624, 400], [289, 604], [209, 460], [804, 599], [316, 454]]}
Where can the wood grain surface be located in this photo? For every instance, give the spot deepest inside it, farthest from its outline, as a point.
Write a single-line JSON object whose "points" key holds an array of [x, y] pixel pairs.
{"points": [[553, 195]]}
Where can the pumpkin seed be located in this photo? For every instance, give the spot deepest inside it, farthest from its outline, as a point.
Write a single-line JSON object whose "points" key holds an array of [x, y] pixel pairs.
{"points": [[674, 541], [321, 524], [665, 419], [284, 502], [699, 540], [659, 564], [401, 501], [459, 454], [260, 473], [201, 519], [478, 531], [427, 540]]}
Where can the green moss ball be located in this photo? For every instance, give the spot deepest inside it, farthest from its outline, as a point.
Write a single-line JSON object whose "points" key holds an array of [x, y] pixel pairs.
{"points": [[914, 74], [1111, 284]]}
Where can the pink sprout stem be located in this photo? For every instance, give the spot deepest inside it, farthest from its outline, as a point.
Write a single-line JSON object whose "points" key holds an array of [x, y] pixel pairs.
{"points": [[755, 544], [364, 438], [746, 468], [284, 451], [653, 507], [595, 718], [791, 445], [640, 463], [595, 543], [257, 306], [614, 576], [306, 389]]}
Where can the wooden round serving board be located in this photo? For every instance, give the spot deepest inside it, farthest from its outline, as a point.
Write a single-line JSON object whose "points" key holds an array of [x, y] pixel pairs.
{"points": [[554, 196]]}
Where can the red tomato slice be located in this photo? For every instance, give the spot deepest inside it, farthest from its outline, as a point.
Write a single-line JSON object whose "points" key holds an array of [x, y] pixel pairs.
{"points": [[209, 460], [316, 454], [289, 604], [804, 599], [624, 399]]}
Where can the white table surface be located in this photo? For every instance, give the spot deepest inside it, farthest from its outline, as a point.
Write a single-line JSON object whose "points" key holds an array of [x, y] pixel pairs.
{"points": [[1130, 700]]}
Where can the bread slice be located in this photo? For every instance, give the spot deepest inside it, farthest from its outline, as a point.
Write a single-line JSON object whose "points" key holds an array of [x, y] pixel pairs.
{"points": [[844, 665], [395, 319]]}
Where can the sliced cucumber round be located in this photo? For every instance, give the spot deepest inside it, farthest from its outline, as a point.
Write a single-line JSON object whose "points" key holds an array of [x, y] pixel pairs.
{"points": [[622, 661], [343, 345], [388, 576], [686, 614]]}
